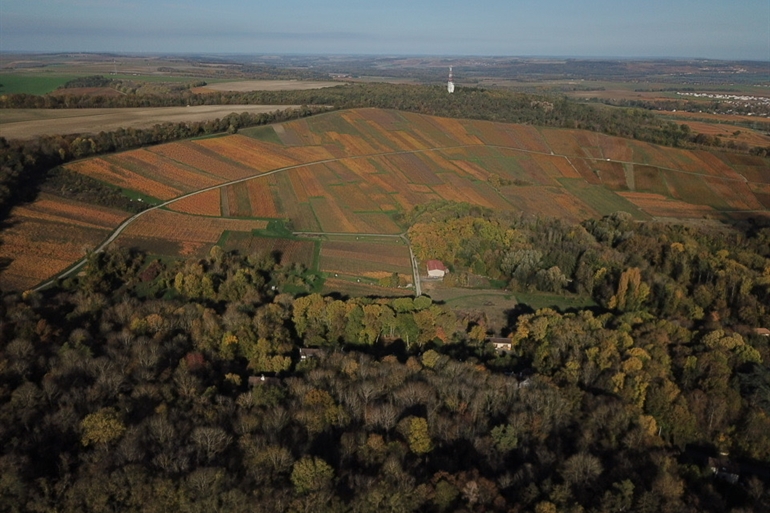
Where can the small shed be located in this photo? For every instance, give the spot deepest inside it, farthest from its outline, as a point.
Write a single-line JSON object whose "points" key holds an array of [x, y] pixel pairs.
{"points": [[309, 352], [724, 469], [763, 332], [436, 268], [501, 344]]}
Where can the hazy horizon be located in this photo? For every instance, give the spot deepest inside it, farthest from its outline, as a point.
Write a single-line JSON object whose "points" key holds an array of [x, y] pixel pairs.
{"points": [[635, 29]]}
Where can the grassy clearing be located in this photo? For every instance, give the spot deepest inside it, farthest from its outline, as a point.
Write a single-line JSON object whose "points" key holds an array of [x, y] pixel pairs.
{"points": [[540, 300], [601, 199], [138, 196], [497, 304], [488, 300], [359, 289], [263, 133]]}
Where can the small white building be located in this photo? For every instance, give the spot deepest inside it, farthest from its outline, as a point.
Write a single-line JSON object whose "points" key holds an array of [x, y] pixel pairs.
{"points": [[436, 269]]}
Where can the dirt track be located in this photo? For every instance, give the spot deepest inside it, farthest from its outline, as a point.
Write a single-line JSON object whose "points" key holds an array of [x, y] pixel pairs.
{"points": [[29, 123]]}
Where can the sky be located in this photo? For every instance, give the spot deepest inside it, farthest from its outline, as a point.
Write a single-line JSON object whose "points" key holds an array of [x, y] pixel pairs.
{"points": [[712, 29]]}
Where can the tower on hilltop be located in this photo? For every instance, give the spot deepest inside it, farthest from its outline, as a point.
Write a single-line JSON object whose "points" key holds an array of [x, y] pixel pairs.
{"points": [[450, 85]]}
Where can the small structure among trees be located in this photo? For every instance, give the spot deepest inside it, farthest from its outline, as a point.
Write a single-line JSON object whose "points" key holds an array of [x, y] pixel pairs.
{"points": [[436, 269], [501, 344], [309, 352]]}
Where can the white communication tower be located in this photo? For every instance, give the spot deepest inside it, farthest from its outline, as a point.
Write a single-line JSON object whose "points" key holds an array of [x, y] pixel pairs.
{"points": [[450, 86]]}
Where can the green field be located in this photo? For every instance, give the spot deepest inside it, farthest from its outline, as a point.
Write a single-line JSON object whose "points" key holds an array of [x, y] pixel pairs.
{"points": [[542, 300], [263, 133], [601, 199], [40, 83], [46, 82]]}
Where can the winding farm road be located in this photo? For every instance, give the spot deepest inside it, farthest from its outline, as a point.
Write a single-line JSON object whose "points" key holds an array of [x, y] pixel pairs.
{"points": [[415, 269]]}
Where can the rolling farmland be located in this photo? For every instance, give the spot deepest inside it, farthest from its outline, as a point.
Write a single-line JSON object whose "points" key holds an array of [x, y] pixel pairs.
{"points": [[358, 171]]}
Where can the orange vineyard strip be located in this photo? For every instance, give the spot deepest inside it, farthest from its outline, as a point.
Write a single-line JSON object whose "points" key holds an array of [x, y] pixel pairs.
{"points": [[169, 172], [38, 249], [54, 208], [261, 198], [657, 205], [193, 155], [205, 204], [332, 217], [105, 171], [308, 177], [257, 159]]}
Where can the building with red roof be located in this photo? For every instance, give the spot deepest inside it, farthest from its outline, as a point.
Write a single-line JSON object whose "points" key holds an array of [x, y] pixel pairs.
{"points": [[436, 268]]}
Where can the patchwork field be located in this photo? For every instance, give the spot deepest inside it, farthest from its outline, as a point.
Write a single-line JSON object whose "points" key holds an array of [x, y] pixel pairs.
{"points": [[359, 171]]}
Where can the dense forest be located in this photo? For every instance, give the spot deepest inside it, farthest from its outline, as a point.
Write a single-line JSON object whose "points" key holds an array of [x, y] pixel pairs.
{"points": [[148, 385]]}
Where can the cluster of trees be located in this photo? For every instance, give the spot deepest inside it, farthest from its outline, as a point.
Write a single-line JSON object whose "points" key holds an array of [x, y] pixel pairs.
{"points": [[25, 164], [89, 81], [138, 386], [69, 184]]}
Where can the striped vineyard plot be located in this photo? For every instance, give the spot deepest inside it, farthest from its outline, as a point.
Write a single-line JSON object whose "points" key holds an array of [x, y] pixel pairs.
{"points": [[195, 155], [657, 205], [207, 203], [166, 171], [107, 171]]}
